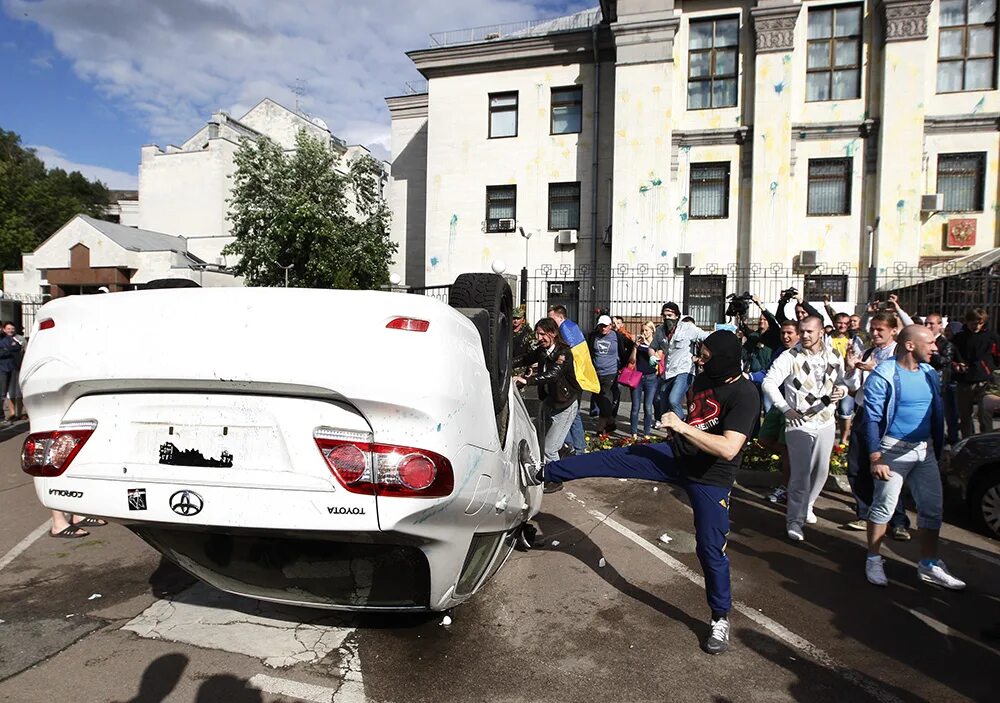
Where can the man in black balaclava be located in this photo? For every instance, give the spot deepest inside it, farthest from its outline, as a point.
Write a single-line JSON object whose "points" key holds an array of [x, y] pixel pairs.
{"points": [[701, 456]]}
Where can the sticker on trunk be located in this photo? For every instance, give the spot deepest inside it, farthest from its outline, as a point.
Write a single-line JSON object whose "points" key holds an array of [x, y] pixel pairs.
{"points": [[170, 454], [137, 499]]}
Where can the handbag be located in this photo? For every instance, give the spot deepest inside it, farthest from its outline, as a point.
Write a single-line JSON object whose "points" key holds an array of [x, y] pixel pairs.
{"points": [[629, 377]]}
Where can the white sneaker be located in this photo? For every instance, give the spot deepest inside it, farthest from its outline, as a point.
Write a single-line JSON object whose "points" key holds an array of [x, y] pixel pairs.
{"points": [[939, 575], [811, 518], [875, 571], [795, 532]]}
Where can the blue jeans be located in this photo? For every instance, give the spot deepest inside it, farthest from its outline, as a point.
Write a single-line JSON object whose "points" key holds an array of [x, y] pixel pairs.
{"points": [[576, 437], [915, 463], [951, 412], [644, 394], [859, 476], [710, 504], [670, 394], [845, 407]]}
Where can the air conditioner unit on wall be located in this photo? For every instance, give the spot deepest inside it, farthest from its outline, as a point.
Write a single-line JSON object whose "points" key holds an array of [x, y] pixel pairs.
{"points": [[684, 260], [505, 225], [933, 202], [566, 237], [807, 257]]}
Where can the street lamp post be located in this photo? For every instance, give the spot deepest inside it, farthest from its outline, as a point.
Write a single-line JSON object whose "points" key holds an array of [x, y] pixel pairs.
{"points": [[286, 271], [524, 271]]}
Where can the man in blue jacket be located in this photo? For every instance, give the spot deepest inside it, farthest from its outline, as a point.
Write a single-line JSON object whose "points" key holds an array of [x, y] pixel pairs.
{"points": [[904, 434]]}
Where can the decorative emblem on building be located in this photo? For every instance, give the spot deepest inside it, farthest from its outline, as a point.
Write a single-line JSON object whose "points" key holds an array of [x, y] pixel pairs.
{"points": [[906, 20], [961, 233], [775, 28]]}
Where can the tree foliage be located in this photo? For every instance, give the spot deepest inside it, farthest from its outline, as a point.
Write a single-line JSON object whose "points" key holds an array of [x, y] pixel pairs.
{"points": [[298, 211], [35, 201]]}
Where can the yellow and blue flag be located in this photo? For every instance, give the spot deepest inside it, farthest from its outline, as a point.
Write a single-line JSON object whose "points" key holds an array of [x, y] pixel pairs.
{"points": [[583, 365]]}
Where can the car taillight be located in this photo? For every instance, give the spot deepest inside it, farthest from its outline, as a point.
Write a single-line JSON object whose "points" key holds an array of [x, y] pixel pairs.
{"points": [[362, 466], [50, 453], [411, 324], [46, 324]]}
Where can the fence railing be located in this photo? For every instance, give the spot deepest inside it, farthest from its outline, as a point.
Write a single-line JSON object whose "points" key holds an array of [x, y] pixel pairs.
{"points": [[638, 292], [490, 32]]}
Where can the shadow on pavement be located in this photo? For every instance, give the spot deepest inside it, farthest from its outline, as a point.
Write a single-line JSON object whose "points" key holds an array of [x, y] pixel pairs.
{"points": [[916, 625], [12, 429], [578, 544], [162, 675]]}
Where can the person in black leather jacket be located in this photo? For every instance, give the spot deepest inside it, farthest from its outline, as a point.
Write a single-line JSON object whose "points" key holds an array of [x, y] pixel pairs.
{"points": [[557, 387], [942, 360]]}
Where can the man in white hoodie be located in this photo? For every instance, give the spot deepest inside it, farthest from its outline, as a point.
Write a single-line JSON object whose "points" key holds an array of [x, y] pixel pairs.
{"points": [[814, 380]]}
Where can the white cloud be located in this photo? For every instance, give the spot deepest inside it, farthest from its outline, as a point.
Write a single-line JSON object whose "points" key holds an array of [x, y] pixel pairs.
{"points": [[116, 180], [173, 62]]}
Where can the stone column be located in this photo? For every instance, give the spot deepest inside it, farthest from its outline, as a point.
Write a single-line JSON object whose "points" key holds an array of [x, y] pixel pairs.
{"points": [[900, 158], [774, 30], [643, 122]]}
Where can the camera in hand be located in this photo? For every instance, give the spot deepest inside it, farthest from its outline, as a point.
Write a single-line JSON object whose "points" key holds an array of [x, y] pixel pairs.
{"points": [[789, 293], [739, 305]]}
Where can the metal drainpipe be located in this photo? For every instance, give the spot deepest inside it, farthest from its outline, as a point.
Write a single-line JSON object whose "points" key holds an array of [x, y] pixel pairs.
{"points": [[594, 182]]}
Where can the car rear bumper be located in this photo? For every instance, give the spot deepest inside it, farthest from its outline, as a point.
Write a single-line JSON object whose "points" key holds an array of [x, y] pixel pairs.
{"points": [[379, 571]]}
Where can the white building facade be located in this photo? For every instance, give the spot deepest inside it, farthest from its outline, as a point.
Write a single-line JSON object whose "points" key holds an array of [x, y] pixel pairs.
{"points": [[734, 145]]}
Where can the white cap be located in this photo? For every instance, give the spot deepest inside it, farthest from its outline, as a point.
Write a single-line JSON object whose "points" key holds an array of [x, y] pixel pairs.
{"points": [[604, 320]]}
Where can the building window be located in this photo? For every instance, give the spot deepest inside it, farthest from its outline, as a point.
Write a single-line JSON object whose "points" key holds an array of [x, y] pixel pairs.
{"points": [[818, 285], [829, 187], [567, 110], [967, 45], [564, 206], [706, 299], [713, 61], [961, 179], [503, 115], [833, 66], [501, 208], [709, 192]]}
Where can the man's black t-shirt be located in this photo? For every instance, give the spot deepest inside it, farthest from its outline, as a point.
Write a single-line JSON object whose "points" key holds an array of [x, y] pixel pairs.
{"points": [[732, 406]]}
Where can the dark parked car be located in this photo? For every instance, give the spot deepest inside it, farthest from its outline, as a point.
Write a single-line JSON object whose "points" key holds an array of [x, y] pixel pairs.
{"points": [[975, 469]]}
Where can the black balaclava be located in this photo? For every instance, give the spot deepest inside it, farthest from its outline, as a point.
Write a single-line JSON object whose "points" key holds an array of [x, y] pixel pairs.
{"points": [[727, 357]]}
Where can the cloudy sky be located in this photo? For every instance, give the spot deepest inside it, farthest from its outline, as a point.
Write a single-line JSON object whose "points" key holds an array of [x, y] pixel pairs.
{"points": [[87, 82]]}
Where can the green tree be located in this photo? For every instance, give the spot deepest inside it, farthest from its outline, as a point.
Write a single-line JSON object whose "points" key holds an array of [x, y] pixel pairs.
{"points": [[297, 211], [35, 201]]}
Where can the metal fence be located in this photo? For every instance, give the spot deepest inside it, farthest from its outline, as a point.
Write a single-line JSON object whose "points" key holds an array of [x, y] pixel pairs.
{"points": [[638, 292], [21, 309]]}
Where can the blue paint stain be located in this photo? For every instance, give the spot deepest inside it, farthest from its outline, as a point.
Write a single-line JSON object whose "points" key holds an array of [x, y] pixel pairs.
{"points": [[786, 59], [656, 182], [778, 87], [454, 220], [851, 147], [774, 186], [900, 204], [439, 427], [643, 188], [686, 148], [684, 217], [663, 252], [435, 261], [979, 106]]}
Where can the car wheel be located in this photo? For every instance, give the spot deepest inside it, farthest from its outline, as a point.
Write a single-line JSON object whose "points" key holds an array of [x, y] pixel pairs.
{"points": [[984, 499], [491, 293]]}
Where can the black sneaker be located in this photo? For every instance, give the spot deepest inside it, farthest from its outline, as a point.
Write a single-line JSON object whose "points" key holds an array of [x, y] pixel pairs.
{"points": [[552, 487], [566, 450], [718, 639]]}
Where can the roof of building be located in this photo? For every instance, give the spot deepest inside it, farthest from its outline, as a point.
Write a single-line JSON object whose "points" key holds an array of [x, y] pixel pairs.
{"points": [[117, 195], [134, 239], [584, 19]]}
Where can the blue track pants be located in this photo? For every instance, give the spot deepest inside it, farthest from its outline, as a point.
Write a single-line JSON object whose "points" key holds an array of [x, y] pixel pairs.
{"points": [[656, 462]]}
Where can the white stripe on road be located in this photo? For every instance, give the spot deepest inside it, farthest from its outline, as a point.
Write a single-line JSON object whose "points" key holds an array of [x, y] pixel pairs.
{"points": [[24, 544], [984, 557], [292, 689], [775, 628]]}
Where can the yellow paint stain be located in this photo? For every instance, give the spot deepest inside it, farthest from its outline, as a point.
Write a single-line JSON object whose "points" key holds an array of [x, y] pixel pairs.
{"points": [[541, 112], [765, 69], [635, 144], [625, 96], [554, 174], [660, 217], [566, 153], [715, 122], [659, 141], [621, 133], [656, 90], [486, 255]]}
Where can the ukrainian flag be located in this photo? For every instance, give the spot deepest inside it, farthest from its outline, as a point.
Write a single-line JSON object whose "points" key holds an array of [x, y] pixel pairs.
{"points": [[583, 365]]}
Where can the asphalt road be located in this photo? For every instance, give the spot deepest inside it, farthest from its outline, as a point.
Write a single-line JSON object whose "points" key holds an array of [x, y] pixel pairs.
{"points": [[105, 619]]}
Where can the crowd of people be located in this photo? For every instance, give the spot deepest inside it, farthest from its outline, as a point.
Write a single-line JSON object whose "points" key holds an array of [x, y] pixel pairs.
{"points": [[892, 391]]}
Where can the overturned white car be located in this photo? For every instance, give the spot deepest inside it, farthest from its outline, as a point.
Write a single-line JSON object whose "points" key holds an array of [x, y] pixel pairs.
{"points": [[340, 449]]}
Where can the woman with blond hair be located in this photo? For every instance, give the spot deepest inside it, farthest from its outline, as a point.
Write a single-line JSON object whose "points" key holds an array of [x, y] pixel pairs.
{"points": [[644, 361]]}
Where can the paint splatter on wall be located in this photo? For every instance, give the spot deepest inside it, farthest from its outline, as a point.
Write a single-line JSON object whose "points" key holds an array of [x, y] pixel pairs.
{"points": [[779, 87], [435, 261]]}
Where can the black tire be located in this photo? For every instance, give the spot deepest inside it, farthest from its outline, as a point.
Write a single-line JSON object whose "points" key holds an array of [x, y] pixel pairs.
{"points": [[491, 293], [984, 501]]}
